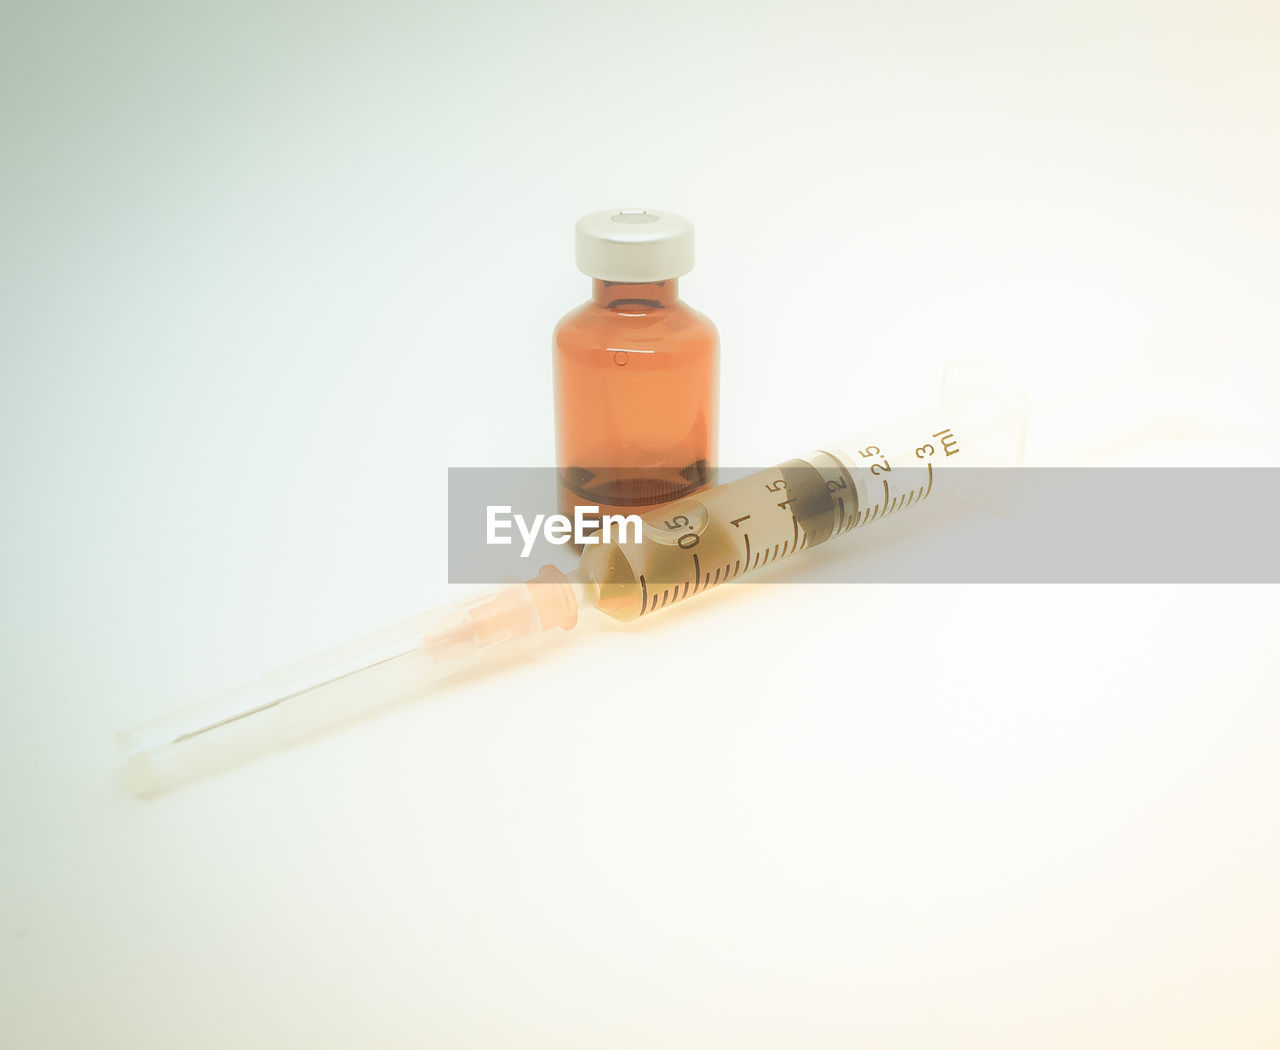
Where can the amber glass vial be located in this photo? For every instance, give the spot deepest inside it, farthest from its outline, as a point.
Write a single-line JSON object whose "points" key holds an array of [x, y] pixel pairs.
{"points": [[636, 370]]}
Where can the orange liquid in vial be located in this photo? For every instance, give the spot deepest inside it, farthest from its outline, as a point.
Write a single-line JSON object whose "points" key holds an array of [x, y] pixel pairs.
{"points": [[636, 379]]}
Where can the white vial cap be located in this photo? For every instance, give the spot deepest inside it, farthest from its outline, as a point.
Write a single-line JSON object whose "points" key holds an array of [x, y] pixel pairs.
{"points": [[634, 245]]}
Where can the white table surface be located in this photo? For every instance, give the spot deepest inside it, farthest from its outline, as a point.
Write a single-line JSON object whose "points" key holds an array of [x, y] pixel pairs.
{"points": [[269, 272]]}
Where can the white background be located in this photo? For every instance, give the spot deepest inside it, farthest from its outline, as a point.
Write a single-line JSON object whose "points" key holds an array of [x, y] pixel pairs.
{"points": [[267, 270]]}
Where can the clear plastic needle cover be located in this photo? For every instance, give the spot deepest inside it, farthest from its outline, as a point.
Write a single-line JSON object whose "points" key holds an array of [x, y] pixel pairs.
{"points": [[687, 548], [371, 672]]}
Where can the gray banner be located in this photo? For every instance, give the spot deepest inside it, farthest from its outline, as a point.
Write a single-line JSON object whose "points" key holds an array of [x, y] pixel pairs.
{"points": [[1062, 525]]}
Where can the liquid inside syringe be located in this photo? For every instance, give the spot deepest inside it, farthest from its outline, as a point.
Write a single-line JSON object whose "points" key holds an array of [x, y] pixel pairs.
{"points": [[732, 530]]}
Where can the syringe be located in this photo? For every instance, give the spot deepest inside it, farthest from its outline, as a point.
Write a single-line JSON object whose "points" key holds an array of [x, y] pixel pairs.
{"points": [[686, 548]]}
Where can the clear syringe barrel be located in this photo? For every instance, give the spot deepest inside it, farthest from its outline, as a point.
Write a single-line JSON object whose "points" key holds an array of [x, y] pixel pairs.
{"points": [[725, 533]]}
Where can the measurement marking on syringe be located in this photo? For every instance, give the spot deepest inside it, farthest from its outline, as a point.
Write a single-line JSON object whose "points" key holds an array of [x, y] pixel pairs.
{"points": [[746, 558], [930, 489], [644, 594], [697, 575], [685, 592]]}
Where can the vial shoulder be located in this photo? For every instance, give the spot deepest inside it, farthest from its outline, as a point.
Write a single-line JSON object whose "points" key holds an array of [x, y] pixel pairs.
{"points": [[697, 319], [594, 325], [580, 317]]}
